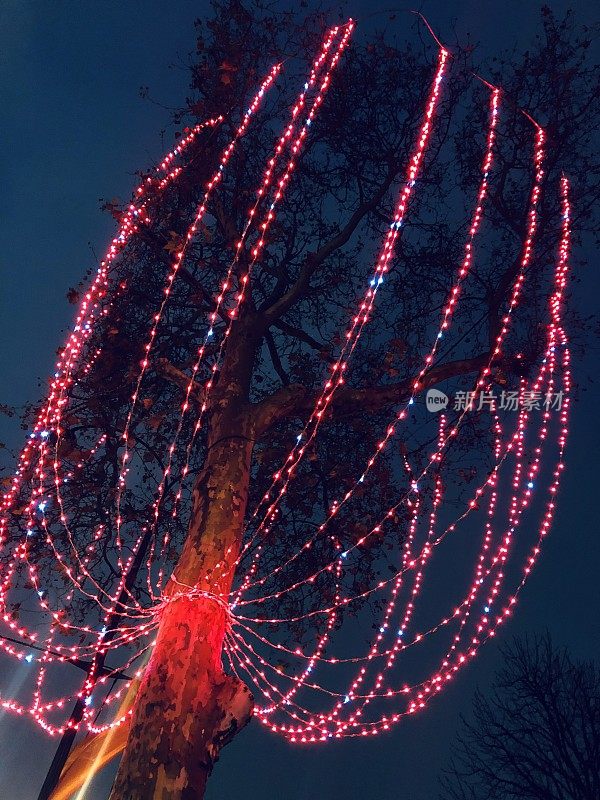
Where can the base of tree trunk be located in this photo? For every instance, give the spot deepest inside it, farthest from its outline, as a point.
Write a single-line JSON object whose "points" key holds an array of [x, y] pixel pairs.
{"points": [[186, 710]]}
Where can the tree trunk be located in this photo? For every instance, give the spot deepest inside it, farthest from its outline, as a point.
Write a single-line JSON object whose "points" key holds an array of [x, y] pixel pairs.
{"points": [[186, 711], [187, 708]]}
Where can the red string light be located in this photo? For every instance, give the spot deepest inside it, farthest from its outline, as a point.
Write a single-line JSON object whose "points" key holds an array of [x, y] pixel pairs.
{"points": [[290, 699]]}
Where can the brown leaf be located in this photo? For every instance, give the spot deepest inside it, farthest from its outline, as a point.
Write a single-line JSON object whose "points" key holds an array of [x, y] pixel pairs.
{"points": [[175, 242], [155, 421]]}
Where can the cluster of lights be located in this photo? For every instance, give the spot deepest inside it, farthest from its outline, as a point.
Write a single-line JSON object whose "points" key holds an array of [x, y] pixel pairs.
{"points": [[48, 426], [283, 476], [128, 625], [90, 306], [294, 145], [308, 726], [446, 317], [480, 386]]}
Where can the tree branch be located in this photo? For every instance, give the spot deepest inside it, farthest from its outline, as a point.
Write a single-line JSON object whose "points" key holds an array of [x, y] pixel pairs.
{"points": [[314, 260], [300, 334], [179, 378], [158, 242], [276, 361], [198, 288], [298, 400]]}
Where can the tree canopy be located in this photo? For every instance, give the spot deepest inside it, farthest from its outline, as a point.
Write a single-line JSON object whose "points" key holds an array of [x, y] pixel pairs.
{"points": [[132, 475]]}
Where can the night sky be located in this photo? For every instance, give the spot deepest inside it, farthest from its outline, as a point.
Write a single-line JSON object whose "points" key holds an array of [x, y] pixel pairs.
{"points": [[74, 129]]}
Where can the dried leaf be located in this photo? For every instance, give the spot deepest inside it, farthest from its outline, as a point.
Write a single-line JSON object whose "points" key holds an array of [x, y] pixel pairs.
{"points": [[175, 242]]}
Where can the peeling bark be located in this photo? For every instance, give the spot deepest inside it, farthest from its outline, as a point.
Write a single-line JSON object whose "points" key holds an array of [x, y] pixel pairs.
{"points": [[187, 708]]}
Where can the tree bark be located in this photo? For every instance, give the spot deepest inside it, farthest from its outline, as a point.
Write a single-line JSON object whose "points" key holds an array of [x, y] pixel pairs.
{"points": [[187, 708]]}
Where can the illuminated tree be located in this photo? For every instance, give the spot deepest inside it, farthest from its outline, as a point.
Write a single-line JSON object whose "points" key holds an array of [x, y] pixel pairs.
{"points": [[215, 477]]}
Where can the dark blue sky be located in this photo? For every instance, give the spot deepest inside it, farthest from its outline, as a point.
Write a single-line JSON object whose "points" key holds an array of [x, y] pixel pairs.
{"points": [[74, 129]]}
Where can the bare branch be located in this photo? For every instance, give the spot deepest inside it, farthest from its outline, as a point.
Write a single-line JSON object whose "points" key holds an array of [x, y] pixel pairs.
{"points": [[179, 378], [315, 260], [225, 220], [300, 334], [285, 403], [278, 366], [197, 287]]}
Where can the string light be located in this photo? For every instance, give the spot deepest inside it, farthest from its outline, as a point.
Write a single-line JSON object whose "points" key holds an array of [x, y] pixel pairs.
{"points": [[289, 698]]}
